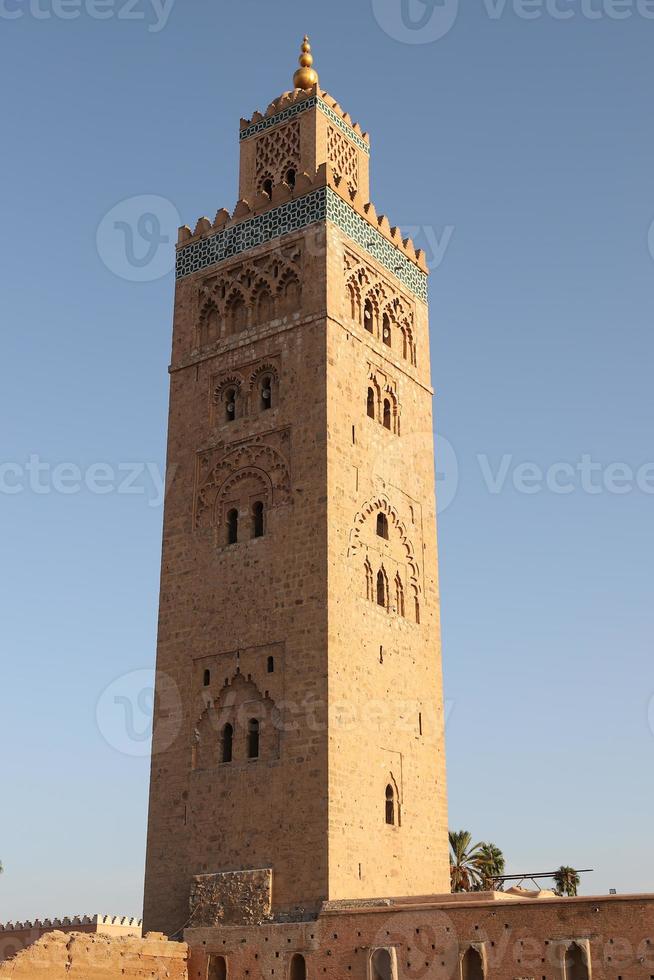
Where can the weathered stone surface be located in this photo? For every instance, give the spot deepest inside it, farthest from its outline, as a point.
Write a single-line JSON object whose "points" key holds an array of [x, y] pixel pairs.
{"points": [[231, 898], [78, 956]]}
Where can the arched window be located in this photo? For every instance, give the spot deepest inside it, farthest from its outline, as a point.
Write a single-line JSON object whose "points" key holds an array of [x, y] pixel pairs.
{"points": [[298, 967], [472, 967], [238, 315], [230, 404], [210, 327], [290, 177], [355, 302], [253, 739], [227, 745], [387, 413], [232, 527], [266, 393], [264, 306], [382, 965], [268, 186], [576, 967], [271, 665], [390, 805], [386, 330], [399, 596], [369, 589], [368, 316], [381, 589], [371, 403], [217, 969], [207, 678], [382, 526], [258, 520]]}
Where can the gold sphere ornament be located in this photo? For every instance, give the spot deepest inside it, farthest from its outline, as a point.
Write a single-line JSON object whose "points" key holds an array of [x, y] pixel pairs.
{"points": [[306, 76]]}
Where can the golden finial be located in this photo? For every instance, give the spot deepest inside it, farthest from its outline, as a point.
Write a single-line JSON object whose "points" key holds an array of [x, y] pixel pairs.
{"points": [[306, 76]]}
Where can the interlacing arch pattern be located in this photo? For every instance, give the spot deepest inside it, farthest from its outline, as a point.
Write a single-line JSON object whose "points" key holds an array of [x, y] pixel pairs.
{"points": [[256, 462], [375, 305], [344, 159], [237, 395], [250, 294], [396, 528], [224, 731], [278, 155], [382, 403]]}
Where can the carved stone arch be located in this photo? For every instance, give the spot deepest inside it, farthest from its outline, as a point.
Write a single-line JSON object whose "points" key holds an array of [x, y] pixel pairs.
{"points": [[227, 381], [264, 371], [353, 295], [259, 480], [210, 323], [236, 311], [369, 511], [289, 292], [249, 456], [263, 294], [226, 385], [266, 182], [239, 700]]}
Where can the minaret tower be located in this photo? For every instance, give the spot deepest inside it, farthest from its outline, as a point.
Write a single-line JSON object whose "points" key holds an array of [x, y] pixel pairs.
{"points": [[298, 751]]}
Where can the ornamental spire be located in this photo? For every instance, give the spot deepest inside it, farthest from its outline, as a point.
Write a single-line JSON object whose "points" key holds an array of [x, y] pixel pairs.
{"points": [[306, 76]]}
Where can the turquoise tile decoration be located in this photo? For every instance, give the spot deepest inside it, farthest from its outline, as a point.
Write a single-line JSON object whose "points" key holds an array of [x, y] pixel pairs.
{"points": [[295, 110], [320, 205]]}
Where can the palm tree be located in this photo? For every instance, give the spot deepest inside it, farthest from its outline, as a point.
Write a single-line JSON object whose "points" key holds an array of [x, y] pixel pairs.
{"points": [[567, 881], [464, 870], [490, 867]]}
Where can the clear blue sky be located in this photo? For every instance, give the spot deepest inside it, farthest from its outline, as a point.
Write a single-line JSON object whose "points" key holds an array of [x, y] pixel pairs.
{"points": [[532, 139]]}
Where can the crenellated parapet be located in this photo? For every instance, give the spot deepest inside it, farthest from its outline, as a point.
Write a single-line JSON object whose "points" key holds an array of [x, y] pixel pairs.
{"points": [[72, 922], [292, 104], [325, 195]]}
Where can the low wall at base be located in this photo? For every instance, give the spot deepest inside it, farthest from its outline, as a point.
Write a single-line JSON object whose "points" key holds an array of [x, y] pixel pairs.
{"points": [[80, 956], [428, 939]]}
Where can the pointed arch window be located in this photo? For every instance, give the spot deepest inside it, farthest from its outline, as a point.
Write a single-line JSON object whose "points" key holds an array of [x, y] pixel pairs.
{"points": [[369, 586], [231, 396], [227, 744], [472, 966], [399, 596], [369, 316], [232, 526], [381, 590], [253, 738], [370, 404], [576, 967], [386, 330], [390, 805], [388, 414], [266, 389]]}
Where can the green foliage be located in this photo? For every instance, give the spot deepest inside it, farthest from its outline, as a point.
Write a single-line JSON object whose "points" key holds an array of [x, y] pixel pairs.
{"points": [[567, 881], [474, 867]]}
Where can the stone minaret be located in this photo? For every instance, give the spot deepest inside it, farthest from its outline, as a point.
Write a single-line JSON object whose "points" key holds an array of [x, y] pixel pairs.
{"points": [[298, 749]]}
